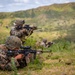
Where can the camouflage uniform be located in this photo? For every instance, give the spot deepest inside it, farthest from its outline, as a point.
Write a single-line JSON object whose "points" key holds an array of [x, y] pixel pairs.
{"points": [[11, 43], [3, 57], [21, 31], [43, 43], [18, 31], [49, 44]]}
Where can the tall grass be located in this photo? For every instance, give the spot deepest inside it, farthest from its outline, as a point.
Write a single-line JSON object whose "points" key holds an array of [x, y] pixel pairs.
{"points": [[14, 67], [4, 33], [61, 46], [30, 41]]}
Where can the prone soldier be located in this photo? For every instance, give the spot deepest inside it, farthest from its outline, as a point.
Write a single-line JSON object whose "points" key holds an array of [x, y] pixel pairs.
{"points": [[41, 44], [44, 44]]}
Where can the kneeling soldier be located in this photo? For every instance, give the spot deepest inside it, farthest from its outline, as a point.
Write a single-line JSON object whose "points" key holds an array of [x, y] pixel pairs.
{"points": [[12, 43]]}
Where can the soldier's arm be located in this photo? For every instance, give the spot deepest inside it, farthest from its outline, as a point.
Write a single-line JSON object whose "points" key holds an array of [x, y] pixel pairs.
{"points": [[24, 32], [19, 56]]}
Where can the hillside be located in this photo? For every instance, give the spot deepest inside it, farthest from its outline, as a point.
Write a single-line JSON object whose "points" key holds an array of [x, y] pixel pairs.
{"points": [[47, 10], [56, 23], [58, 18]]}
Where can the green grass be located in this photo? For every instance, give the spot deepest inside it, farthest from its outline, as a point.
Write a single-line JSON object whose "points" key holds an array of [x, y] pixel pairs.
{"points": [[4, 33], [63, 52]]}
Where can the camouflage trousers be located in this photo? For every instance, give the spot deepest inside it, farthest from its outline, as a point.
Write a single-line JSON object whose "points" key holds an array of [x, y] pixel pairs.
{"points": [[6, 64]]}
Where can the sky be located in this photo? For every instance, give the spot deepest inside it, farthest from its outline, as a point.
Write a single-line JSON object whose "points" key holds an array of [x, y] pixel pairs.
{"points": [[16, 5]]}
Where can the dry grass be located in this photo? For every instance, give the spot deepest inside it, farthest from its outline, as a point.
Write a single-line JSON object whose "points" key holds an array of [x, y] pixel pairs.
{"points": [[50, 36]]}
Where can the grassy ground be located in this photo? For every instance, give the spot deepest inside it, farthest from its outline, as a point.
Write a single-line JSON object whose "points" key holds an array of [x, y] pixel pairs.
{"points": [[4, 33], [60, 62]]}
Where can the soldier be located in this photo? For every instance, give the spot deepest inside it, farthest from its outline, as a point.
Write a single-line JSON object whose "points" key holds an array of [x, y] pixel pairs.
{"points": [[41, 44], [17, 30], [49, 44], [12, 43], [44, 42], [22, 31]]}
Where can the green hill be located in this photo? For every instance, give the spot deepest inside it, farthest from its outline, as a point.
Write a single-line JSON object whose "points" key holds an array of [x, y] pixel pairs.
{"points": [[51, 10]]}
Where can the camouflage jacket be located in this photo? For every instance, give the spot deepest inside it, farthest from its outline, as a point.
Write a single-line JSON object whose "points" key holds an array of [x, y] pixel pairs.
{"points": [[5, 62], [3, 58], [17, 33], [21, 33]]}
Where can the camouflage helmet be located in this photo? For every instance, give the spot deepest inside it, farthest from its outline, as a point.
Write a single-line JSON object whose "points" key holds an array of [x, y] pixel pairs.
{"points": [[44, 40], [13, 42], [19, 22]]}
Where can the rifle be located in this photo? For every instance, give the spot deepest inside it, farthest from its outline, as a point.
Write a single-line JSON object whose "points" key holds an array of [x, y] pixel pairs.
{"points": [[27, 27], [26, 50]]}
